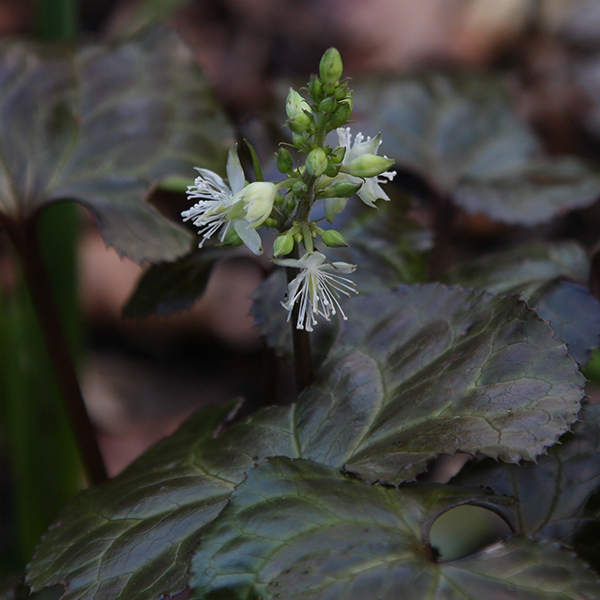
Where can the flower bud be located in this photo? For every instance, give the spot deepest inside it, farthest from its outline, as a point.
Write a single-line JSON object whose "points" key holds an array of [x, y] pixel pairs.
{"points": [[337, 156], [328, 105], [299, 189], [332, 169], [315, 88], [316, 162], [283, 244], [299, 142], [341, 114], [285, 163], [298, 112], [368, 165], [333, 239], [331, 67], [345, 188], [258, 198]]}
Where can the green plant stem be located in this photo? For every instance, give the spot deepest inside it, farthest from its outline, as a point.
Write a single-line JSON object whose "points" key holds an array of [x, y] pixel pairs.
{"points": [[303, 367], [24, 238]]}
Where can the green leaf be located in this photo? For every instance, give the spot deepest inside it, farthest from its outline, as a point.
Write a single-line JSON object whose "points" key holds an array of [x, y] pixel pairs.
{"points": [[460, 135], [429, 370], [558, 496], [133, 537], [102, 126], [538, 272], [166, 288], [388, 249], [295, 529]]}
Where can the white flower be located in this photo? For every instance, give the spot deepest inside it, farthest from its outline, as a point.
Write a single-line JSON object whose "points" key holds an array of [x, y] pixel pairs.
{"points": [[371, 189], [317, 288], [222, 206]]}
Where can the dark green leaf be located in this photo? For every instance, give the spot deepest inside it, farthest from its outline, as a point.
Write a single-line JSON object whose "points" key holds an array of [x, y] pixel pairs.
{"points": [[295, 529], [532, 193], [558, 496], [538, 272], [429, 370], [166, 288], [133, 538], [460, 135], [102, 126]]}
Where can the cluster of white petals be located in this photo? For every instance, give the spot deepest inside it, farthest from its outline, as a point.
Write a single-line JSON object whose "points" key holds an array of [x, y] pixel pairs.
{"points": [[316, 288], [221, 206], [371, 189]]}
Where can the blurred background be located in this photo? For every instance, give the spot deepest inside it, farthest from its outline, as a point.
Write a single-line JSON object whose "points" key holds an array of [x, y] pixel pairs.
{"points": [[142, 378]]}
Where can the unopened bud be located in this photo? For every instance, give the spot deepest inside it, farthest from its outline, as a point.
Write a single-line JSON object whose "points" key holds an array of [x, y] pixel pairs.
{"points": [[334, 206], [332, 169], [328, 105], [337, 156], [368, 165], [316, 162], [345, 189], [315, 88], [283, 245], [299, 142], [299, 189], [333, 239], [341, 114], [331, 67], [298, 112], [285, 163]]}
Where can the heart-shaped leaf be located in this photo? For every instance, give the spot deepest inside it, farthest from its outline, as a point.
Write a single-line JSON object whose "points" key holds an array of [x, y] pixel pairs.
{"points": [[429, 370], [460, 135], [102, 126], [133, 537], [295, 529], [538, 272], [558, 496]]}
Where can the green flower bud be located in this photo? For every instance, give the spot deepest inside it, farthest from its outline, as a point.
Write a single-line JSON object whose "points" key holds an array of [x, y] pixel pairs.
{"points": [[341, 91], [298, 237], [333, 239], [368, 165], [331, 67], [315, 88], [285, 163], [295, 104], [332, 169], [328, 105], [337, 156], [283, 244], [299, 142], [299, 189], [345, 188], [316, 162], [298, 112], [341, 115]]}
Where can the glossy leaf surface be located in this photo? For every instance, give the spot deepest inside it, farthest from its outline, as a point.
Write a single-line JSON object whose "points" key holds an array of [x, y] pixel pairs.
{"points": [[558, 496], [550, 277], [133, 538], [295, 530], [429, 370], [102, 126], [460, 135]]}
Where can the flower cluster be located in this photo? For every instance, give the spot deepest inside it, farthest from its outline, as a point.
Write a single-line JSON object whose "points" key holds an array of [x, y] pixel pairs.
{"points": [[233, 211]]}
